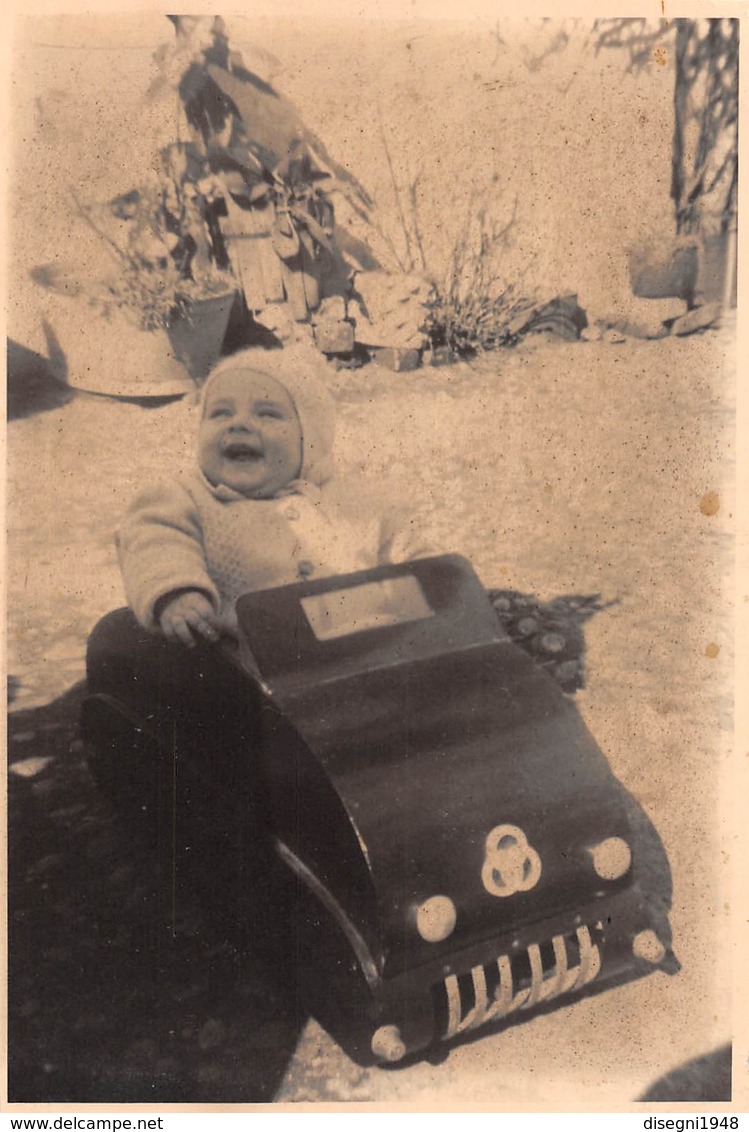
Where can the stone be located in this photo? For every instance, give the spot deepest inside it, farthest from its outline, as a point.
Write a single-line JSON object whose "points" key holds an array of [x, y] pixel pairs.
{"points": [[527, 626], [401, 361], [592, 334], [334, 336], [562, 316], [391, 310], [648, 318], [277, 318], [701, 318], [332, 308], [665, 268], [442, 356]]}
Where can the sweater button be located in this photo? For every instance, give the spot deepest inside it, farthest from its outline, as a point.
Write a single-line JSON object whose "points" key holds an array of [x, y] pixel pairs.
{"points": [[305, 568], [292, 513]]}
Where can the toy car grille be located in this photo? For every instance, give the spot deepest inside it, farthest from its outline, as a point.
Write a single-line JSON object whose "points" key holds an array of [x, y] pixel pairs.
{"points": [[534, 976]]}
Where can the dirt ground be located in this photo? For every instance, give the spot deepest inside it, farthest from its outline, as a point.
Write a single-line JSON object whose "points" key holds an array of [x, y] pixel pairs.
{"points": [[556, 468]]}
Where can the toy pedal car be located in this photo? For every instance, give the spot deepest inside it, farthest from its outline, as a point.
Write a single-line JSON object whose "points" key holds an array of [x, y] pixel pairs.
{"points": [[459, 850]]}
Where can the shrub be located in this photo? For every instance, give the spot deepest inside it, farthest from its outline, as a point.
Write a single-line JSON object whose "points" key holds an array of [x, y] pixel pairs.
{"points": [[475, 308]]}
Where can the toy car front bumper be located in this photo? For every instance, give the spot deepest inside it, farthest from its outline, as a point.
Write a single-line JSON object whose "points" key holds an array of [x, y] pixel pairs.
{"points": [[532, 973]]}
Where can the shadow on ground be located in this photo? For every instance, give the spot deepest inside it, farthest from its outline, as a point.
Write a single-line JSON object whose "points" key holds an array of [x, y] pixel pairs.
{"points": [[705, 1078], [116, 998], [32, 387], [108, 1002]]}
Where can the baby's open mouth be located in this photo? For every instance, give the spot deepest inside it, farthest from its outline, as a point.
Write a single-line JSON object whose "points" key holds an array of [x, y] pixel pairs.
{"points": [[242, 451]]}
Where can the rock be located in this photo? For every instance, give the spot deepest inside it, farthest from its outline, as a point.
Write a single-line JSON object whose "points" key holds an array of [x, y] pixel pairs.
{"points": [[701, 318], [562, 316], [634, 317], [334, 336], [399, 360], [551, 643], [333, 309], [647, 318], [391, 310], [592, 334], [527, 626], [442, 356], [665, 268], [277, 318]]}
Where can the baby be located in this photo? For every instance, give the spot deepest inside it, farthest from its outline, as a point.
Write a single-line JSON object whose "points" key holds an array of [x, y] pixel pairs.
{"points": [[262, 508]]}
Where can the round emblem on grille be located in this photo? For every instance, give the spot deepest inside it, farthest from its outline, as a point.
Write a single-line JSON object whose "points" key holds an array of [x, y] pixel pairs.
{"points": [[511, 864]]}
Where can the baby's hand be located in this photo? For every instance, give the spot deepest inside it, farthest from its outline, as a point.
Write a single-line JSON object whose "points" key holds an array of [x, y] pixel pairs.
{"points": [[187, 614]]}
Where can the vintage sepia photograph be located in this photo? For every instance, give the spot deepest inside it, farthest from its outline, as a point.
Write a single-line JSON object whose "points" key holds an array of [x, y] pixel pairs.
{"points": [[371, 537]]}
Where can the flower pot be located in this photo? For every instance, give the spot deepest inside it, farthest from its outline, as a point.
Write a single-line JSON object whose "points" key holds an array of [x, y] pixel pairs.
{"points": [[197, 337], [108, 354]]}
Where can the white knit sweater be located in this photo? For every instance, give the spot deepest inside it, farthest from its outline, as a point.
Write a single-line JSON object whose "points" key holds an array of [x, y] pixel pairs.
{"points": [[188, 534]]}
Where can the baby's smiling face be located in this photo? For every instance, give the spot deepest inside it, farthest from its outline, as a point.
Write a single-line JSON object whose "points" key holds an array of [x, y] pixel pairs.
{"points": [[250, 437]]}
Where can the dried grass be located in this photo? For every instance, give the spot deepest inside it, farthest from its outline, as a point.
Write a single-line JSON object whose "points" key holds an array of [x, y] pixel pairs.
{"points": [[476, 308]]}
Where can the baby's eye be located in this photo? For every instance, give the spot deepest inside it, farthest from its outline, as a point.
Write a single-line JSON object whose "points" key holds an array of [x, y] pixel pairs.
{"points": [[219, 411], [273, 414]]}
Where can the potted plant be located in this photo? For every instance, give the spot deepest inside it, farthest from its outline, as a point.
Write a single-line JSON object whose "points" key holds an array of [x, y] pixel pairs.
{"points": [[237, 217], [278, 228], [166, 297], [276, 214]]}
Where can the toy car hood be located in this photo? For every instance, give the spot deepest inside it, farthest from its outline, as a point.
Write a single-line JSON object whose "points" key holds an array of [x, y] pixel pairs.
{"points": [[432, 781]]}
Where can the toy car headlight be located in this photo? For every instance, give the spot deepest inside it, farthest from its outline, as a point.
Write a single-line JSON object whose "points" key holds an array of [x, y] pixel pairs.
{"points": [[435, 919], [647, 946], [611, 858]]}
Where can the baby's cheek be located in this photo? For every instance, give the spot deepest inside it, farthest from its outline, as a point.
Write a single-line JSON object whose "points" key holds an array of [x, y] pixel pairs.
{"points": [[207, 455]]}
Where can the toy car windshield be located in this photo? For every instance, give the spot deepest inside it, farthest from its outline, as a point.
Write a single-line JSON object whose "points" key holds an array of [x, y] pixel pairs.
{"points": [[369, 605]]}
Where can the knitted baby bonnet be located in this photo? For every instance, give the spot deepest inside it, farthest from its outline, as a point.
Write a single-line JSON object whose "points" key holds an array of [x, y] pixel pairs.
{"points": [[298, 369]]}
